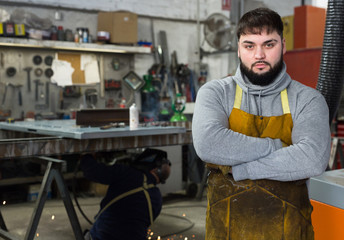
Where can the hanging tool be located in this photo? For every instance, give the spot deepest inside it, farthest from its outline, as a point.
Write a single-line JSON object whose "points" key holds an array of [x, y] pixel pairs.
{"points": [[28, 70], [49, 72], [37, 84], [48, 60], [37, 59], [38, 72], [11, 71], [4, 96], [47, 85], [20, 98]]}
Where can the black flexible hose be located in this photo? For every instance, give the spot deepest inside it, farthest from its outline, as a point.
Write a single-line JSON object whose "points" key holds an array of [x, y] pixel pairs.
{"points": [[331, 73], [74, 193]]}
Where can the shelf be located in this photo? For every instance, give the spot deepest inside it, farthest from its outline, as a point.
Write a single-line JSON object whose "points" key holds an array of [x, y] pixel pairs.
{"points": [[71, 46]]}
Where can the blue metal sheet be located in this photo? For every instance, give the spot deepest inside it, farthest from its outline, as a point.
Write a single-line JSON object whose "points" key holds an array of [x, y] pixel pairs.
{"points": [[69, 129]]}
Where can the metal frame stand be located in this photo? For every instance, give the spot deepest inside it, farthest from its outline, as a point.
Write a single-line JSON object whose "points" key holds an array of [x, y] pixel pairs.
{"points": [[52, 173], [336, 149]]}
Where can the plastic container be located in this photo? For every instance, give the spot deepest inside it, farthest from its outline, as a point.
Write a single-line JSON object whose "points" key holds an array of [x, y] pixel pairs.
{"points": [[53, 33], [85, 35], [133, 117], [79, 30], [60, 33]]}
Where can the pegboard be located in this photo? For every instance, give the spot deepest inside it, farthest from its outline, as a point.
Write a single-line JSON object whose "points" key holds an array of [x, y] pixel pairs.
{"points": [[46, 99]]}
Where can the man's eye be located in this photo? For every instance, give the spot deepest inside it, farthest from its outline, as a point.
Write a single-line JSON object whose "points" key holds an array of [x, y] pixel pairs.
{"points": [[249, 46], [270, 45]]}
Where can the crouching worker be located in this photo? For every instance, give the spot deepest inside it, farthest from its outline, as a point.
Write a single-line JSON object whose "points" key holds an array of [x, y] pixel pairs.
{"points": [[132, 201]]}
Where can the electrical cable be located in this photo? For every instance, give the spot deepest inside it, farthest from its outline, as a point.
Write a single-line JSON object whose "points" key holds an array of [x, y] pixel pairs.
{"points": [[74, 193], [166, 214], [192, 224]]}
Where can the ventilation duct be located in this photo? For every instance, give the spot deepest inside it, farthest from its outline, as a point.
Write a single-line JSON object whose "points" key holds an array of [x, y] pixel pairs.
{"points": [[331, 73]]}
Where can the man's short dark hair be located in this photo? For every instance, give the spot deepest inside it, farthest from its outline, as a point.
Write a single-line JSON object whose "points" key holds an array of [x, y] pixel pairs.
{"points": [[259, 19]]}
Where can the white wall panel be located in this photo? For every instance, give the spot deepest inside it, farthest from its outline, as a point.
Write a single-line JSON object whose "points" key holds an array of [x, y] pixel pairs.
{"points": [[179, 9], [176, 17]]}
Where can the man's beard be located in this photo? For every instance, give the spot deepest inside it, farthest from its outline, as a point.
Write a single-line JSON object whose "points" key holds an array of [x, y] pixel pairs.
{"points": [[263, 79]]}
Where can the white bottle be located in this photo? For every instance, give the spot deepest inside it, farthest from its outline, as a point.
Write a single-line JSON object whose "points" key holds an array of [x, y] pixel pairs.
{"points": [[133, 117]]}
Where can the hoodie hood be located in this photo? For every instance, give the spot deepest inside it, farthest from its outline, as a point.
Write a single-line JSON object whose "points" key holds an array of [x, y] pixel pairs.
{"points": [[279, 84]]}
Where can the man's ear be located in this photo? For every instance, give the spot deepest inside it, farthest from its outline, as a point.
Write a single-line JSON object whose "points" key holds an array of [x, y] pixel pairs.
{"points": [[284, 46]]}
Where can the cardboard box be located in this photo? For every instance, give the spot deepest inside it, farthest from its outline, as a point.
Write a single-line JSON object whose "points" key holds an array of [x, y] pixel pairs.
{"points": [[288, 31], [121, 25], [309, 26], [33, 192]]}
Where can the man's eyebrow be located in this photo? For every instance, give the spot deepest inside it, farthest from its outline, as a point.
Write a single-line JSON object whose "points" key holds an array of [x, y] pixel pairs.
{"points": [[268, 41], [271, 40]]}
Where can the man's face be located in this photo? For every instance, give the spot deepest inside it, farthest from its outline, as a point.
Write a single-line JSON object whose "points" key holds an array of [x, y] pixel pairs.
{"points": [[261, 56]]}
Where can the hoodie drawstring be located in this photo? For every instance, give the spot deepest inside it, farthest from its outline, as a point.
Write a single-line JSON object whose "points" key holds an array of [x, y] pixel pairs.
{"points": [[247, 100], [260, 103]]}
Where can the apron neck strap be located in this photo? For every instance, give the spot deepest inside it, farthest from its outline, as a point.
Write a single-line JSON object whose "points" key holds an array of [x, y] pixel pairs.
{"points": [[284, 99]]}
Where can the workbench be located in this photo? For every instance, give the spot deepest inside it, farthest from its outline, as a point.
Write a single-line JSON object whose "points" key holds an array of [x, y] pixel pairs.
{"points": [[327, 197], [54, 137], [42, 139]]}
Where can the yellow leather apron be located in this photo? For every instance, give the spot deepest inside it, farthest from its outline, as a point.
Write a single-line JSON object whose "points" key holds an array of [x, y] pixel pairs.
{"points": [[257, 209]]}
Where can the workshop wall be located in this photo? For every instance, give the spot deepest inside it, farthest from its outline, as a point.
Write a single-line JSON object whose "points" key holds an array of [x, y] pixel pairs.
{"points": [[177, 18]]}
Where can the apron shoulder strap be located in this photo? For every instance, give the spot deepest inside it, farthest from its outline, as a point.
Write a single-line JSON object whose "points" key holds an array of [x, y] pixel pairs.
{"points": [[238, 97], [285, 102]]}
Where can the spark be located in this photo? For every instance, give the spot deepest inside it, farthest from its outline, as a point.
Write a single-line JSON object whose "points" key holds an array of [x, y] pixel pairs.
{"points": [[52, 217], [4, 202]]}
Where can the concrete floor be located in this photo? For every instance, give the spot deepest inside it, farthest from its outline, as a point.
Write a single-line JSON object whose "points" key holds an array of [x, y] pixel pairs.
{"points": [[181, 218]]}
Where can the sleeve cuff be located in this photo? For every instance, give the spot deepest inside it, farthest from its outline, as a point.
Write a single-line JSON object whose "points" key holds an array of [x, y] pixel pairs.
{"points": [[240, 172], [278, 143]]}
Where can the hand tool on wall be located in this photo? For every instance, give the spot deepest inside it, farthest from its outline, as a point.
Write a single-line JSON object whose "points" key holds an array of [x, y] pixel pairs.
{"points": [[4, 96], [37, 84], [91, 97], [28, 70], [48, 60], [49, 72], [47, 93], [20, 98], [37, 59], [38, 72], [61, 105], [11, 71]]}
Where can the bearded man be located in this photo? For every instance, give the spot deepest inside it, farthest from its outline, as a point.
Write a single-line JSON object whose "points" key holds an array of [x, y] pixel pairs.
{"points": [[262, 135]]}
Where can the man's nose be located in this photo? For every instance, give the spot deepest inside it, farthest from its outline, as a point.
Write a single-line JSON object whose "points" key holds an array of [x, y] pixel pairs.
{"points": [[259, 53]]}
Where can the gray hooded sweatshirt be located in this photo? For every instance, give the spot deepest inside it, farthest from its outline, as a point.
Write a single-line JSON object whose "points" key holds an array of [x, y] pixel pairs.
{"points": [[262, 158]]}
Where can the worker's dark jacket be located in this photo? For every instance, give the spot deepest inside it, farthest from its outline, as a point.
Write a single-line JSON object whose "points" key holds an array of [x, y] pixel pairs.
{"points": [[127, 218]]}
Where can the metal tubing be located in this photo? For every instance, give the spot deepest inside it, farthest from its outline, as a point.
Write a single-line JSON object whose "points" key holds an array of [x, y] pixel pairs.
{"points": [[53, 173], [42, 197], [68, 205]]}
